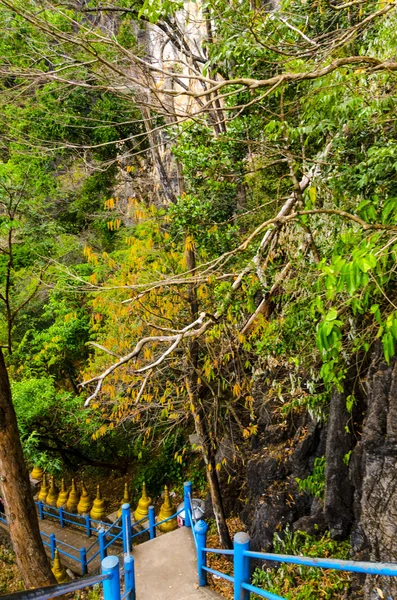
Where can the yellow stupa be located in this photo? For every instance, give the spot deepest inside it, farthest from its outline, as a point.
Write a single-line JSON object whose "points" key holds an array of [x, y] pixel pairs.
{"points": [[73, 500], [98, 508], [142, 510], [126, 499], [84, 504], [167, 510], [44, 489], [52, 495], [59, 570], [37, 473], [63, 495]]}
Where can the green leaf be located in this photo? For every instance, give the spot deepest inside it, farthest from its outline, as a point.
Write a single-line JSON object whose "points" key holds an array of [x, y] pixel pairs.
{"points": [[331, 315], [367, 262], [312, 194]]}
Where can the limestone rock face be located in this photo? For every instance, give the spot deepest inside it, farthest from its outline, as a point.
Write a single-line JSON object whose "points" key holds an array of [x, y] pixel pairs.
{"points": [[339, 489], [361, 471], [374, 471], [263, 472], [269, 518]]}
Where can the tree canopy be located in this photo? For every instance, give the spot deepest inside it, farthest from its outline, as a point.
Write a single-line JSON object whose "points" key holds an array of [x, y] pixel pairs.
{"points": [[194, 195]]}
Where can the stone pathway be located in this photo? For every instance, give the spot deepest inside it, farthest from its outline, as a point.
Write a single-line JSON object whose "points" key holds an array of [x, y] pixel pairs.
{"points": [[74, 538], [78, 540], [166, 569]]}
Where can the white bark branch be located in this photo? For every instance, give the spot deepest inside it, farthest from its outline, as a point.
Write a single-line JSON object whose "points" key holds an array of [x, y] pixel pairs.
{"points": [[174, 340]]}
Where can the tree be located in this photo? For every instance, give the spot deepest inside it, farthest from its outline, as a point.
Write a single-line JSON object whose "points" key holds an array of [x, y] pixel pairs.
{"points": [[19, 506], [296, 232]]}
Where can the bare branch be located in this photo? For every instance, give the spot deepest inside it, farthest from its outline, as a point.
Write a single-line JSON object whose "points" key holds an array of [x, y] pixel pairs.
{"points": [[103, 349], [175, 340], [142, 388]]}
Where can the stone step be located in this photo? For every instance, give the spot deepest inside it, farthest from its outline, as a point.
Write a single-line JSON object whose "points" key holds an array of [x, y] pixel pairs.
{"points": [[78, 540], [166, 569]]}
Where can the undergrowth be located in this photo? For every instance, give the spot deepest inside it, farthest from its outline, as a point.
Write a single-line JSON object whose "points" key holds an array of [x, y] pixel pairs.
{"points": [[305, 583], [9, 577]]}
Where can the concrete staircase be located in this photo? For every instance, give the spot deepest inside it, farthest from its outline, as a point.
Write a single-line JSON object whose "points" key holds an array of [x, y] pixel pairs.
{"points": [[166, 569]]}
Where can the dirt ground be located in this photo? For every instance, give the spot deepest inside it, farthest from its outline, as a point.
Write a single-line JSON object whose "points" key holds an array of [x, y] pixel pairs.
{"points": [[10, 580]]}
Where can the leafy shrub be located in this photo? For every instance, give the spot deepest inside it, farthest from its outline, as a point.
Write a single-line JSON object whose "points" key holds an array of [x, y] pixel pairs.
{"points": [[305, 583], [315, 483], [159, 468], [49, 419]]}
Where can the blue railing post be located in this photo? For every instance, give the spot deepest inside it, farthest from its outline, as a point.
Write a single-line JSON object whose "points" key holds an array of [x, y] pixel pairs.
{"points": [[83, 561], [152, 522], [88, 525], [127, 529], [187, 495], [41, 510], [201, 529], [111, 586], [129, 577], [241, 565], [61, 518], [102, 543], [53, 545]]}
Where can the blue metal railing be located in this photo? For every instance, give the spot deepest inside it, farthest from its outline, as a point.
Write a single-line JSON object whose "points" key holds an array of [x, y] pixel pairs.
{"points": [[103, 531], [110, 580], [50, 541], [85, 522], [120, 531], [79, 555], [242, 555]]}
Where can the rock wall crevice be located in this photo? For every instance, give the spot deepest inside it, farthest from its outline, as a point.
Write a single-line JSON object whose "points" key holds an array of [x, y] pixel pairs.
{"points": [[361, 471]]}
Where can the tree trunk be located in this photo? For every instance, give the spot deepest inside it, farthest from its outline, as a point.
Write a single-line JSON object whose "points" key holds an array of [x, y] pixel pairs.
{"points": [[201, 430], [18, 501], [213, 481]]}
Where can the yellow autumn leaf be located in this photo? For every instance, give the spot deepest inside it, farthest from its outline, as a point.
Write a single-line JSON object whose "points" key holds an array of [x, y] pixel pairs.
{"points": [[236, 389], [189, 243]]}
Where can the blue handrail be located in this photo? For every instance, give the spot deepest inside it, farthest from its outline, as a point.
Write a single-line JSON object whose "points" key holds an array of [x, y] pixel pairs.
{"points": [[123, 533], [52, 591], [110, 580], [114, 525], [260, 592], [61, 515], [76, 519], [114, 532], [119, 535], [219, 574], [350, 566], [219, 551], [190, 510], [242, 556], [169, 518]]}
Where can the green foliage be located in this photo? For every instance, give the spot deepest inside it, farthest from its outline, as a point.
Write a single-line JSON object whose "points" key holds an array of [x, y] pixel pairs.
{"points": [[305, 583], [314, 483], [154, 10], [51, 421], [158, 468], [214, 172], [57, 340], [198, 219], [74, 138]]}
